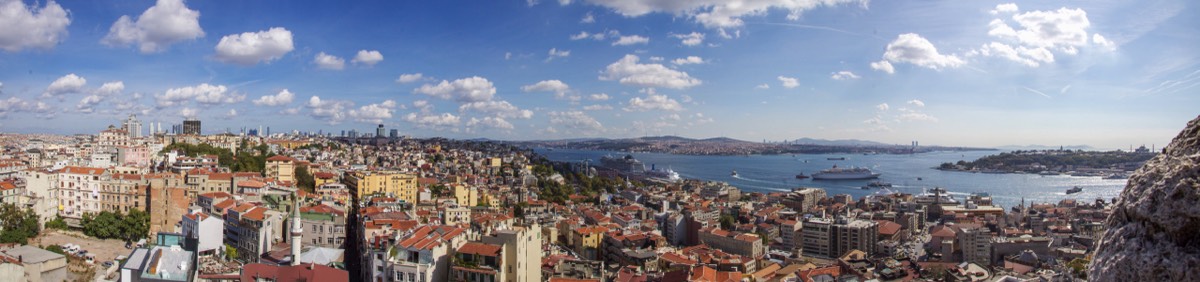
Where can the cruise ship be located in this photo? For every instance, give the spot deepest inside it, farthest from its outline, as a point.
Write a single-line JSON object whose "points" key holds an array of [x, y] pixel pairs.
{"points": [[665, 174], [630, 167], [852, 173], [626, 164]]}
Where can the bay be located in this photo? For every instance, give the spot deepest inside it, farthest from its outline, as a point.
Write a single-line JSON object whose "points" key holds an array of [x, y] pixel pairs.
{"points": [[912, 174]]}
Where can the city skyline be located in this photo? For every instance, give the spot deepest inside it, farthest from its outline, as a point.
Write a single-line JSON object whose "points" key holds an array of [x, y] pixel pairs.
{"points": [[1109, 75]]}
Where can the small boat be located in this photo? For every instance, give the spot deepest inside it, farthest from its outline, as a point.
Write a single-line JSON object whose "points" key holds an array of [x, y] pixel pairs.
{"points": [[1116, 176], [918, 178], [836, 159], [733, 174], [801, 175], [879, 184], [1074, 190]]}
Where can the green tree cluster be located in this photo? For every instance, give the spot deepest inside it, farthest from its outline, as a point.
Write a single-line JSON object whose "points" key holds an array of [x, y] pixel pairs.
{"points": [[57, 223], [17, 225], [305, 180], [109, 225]]}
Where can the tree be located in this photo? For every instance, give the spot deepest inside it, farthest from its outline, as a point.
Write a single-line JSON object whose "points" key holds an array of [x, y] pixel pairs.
{"points": [[727, 221], [57, 223], [18, 224], [230, 252], [304, 180], [56, 249]]}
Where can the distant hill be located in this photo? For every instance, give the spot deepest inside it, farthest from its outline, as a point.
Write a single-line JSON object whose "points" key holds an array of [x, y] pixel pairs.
{"points": [[840, 142], [730, 146], [1046, 147]]}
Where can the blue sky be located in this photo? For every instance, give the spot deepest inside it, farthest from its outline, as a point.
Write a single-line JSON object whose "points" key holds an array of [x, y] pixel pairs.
{"points": [[979, 73]]}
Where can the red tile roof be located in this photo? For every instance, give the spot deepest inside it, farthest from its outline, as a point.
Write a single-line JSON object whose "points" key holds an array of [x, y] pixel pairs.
{"points": [[305, 272], [429, 236], [887, 227], [280, 158], [323, 209], [82, 170], [251, 183], [480, 249]]}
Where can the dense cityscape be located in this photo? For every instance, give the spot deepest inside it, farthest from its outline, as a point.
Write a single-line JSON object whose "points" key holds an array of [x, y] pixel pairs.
{"points": [[599, 141], [383, 207]]}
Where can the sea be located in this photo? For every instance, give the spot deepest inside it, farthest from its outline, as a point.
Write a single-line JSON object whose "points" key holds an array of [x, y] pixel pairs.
{"points": [[911, 173]]}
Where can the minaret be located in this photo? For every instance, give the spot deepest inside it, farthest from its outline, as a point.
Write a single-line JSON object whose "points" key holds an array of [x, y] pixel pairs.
{"points": [[297, 232]]}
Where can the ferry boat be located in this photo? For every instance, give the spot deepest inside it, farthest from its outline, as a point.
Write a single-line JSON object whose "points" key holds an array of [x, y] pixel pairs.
{"points": [[1117, 176], [1074, 190], [878, 184], [837, 173], [801, 175], [836, 159]]}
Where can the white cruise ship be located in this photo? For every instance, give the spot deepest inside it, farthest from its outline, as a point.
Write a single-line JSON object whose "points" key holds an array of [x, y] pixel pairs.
{"points": [[852, 173]]}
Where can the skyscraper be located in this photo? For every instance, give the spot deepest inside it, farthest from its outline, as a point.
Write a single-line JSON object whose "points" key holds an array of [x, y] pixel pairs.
{"points": [[191, 127], [133, 126], [395, 133], [379, 131]]}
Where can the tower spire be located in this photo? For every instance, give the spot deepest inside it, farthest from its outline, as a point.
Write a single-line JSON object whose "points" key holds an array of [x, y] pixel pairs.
{"points": [[297, 230]]}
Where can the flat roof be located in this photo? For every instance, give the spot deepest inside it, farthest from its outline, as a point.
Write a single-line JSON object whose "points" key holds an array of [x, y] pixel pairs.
{"points": [[171, 264], [135, 259], [31, 254]]}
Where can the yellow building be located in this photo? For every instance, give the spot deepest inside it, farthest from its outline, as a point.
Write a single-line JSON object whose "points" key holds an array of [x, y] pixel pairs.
{"points": [[466, 196], [282, 168], [587, 241], [496, 162], [400, 185]]}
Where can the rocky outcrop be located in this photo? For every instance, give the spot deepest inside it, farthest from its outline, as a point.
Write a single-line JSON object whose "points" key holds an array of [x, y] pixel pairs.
{"points": [[1153, 233]]}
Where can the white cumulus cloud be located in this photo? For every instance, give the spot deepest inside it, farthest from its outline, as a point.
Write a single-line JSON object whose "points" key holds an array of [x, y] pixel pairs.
{"points": [[329, 62], [598, 97], [689, 60], [576, 120], [471, 89], [844, 75], [374, 113], [284, 97], [883, 66], [24, 26], [66, 84], [653, 102], [165, 23], [204, 94], [1004, 8], [367, 57], [913, 49], [631, 40], [557, 87], [788, 82], [499, 108], [410, 78], [690, 39], [629, 71], [719, 14], [433, 121], [249, 48], [917, 103], [882, 107], [330, 111], [490, 122]]}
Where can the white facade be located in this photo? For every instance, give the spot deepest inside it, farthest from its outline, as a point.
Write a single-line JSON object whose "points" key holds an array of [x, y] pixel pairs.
{"points": [[208, 230]]}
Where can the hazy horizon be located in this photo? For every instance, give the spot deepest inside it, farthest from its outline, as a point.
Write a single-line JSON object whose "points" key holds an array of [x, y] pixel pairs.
{"points": [[981, 74]]}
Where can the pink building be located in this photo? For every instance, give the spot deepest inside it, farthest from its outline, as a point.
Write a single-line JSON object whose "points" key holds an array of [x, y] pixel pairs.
{"points": [[133, 156]]}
